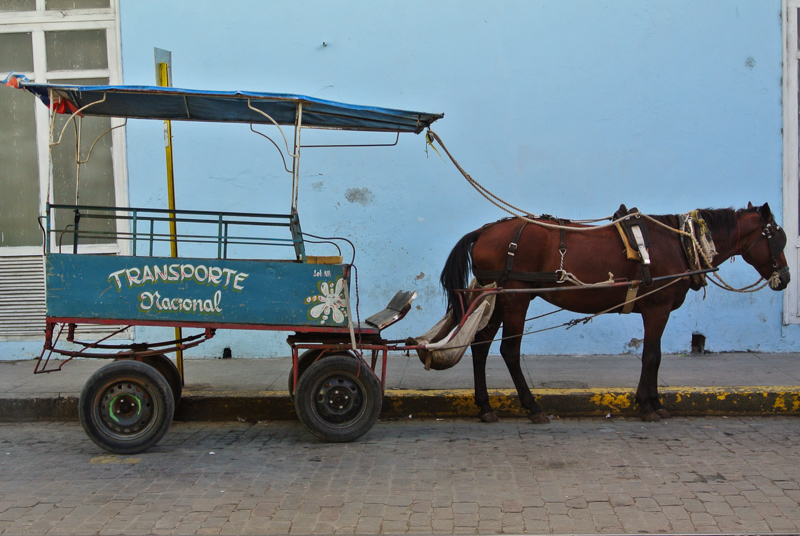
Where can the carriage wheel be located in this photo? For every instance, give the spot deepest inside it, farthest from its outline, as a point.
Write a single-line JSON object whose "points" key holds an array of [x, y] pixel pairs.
{"points": [[126, 407], [338, 398], [305, 360], [169, 370]]}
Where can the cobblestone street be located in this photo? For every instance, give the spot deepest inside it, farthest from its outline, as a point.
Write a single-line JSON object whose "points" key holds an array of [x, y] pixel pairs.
{"points": [[583, 476]]}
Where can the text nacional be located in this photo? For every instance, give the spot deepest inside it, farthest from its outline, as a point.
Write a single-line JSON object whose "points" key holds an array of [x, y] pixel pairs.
{"points": [[213, 276]]}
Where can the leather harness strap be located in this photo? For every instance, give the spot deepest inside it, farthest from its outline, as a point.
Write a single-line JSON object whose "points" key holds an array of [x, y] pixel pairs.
{"points": [[514, 275], [508, 273], [630, 298], [512, 252], [562, 227]]}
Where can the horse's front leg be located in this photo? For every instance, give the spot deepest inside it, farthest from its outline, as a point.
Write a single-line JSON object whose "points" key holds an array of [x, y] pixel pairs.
{"points": [[650, 407], [513, 328]]}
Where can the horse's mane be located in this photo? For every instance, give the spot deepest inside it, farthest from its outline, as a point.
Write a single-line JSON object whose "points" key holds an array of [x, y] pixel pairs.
{"points": [[717, 219]]}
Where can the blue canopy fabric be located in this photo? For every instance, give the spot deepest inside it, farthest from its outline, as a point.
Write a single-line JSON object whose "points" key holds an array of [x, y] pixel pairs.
{"points": [[150, 102]]}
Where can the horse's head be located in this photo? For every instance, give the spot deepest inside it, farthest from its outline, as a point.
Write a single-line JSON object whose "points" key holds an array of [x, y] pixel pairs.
{"points": [[765, 251]]}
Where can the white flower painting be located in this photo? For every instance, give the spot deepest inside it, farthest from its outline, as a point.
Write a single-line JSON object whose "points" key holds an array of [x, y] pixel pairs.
{"points": [[329, 304]]}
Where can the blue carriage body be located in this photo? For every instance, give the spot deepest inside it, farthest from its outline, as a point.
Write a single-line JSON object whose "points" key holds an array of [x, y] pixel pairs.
{"points": [[246, 294]]}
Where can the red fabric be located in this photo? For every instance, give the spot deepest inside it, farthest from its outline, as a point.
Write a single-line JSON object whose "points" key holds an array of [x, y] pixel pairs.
{"points": [[58, 105], [12, 80], [63, 106]]}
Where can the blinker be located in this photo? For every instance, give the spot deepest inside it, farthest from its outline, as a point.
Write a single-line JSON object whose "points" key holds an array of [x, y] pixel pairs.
{"points": [[777, 241]]}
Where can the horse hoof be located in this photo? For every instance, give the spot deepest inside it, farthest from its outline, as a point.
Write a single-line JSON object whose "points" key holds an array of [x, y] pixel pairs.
{"points": [[664, 414], [538, 418], [489, 417], [650, 417]]}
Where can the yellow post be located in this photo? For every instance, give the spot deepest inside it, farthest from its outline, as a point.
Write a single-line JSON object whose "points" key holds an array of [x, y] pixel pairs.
{"points": [[163, 80]]}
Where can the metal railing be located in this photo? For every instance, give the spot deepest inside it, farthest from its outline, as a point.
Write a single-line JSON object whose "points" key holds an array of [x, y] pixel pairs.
{"points": [[144, 229]]}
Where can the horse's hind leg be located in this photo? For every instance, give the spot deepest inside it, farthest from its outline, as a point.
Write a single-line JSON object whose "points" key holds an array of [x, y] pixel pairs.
{"points": [[480, 353], [513, 327]]}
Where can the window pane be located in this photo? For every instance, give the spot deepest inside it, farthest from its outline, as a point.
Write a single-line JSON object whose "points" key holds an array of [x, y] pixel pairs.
{"points": [[96, 185], [79, 49], [76, 4], [19, 172], [16, 52], [17, 5]]}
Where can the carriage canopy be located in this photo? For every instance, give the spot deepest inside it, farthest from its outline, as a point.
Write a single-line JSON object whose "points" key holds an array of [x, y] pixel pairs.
{"points": [[151, 102]]}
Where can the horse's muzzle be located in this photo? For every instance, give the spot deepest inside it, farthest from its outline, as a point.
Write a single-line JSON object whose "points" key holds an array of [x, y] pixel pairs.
{"points": [[780, 279]]}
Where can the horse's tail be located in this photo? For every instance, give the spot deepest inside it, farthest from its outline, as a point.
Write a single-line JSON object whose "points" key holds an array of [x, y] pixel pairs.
{"points": [[457, 270]]}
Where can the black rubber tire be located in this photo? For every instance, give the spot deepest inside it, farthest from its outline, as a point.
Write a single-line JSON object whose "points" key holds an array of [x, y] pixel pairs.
{"points": [[126, 407], [306, 359], [338, 398], [169, 370]]}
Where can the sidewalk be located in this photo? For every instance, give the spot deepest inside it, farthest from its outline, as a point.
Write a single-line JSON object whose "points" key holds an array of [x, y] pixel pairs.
{"points": [[256, 389]]}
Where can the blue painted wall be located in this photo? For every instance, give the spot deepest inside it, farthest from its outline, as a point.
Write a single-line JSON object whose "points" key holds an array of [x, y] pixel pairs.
{"points": [[568, 108]]}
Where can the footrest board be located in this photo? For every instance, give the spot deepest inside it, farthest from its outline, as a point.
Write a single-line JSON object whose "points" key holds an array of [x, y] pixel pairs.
{"points": [[398, 308]]}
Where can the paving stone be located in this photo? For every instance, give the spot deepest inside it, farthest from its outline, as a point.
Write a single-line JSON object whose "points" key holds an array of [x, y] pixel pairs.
{"points": [[439, 526], [621, 499], [781, 524], [420, 519], [490, 513], [466, 508], [398, 513], [465, 520], [392, 527], [736, 475], [719, 509], [702, 519]]}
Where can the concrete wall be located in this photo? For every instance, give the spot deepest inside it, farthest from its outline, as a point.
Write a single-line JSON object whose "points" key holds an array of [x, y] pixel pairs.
{"points": [[567, 108]]}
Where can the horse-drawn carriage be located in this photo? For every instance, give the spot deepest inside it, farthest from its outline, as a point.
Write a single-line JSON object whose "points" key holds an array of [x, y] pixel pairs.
{"points": [[336, 380], [225, 283]]}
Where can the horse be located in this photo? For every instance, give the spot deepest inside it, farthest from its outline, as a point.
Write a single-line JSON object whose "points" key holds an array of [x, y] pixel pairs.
{"points": [[520, 254]]}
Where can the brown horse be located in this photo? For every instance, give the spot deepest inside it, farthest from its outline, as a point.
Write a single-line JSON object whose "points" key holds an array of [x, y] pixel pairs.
{"points": [[535, 258]]}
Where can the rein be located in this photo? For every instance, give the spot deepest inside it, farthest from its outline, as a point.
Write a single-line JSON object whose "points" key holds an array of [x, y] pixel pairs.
{"points": [[575, 321], [701, 250], [505, 206]]}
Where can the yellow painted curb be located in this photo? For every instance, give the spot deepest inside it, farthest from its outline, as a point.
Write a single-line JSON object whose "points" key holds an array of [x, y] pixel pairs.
{"points": [[399, 403], [755, 400]]}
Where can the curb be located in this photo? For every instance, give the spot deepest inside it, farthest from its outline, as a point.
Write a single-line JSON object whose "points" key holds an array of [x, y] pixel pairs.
{"points": [[681, 401], [457, 403]]}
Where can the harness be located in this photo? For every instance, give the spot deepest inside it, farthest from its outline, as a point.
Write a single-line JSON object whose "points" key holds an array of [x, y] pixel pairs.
{"points": [[633, 232], [508, 272], [694, 225], [560, 275], [696, 240]]}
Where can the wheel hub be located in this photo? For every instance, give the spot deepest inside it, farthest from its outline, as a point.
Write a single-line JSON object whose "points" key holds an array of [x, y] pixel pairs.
{"points": [[126, 408], [338, 399]]}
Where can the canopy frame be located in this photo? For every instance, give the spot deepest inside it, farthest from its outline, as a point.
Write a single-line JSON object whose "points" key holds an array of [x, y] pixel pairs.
{"points": [[167, 103]]}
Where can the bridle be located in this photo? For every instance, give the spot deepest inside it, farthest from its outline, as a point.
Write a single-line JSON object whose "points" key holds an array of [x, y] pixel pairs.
{"points": [[776, 240]]}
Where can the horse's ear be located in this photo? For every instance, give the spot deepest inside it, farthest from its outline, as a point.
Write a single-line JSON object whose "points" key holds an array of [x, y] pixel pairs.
{"points": [[765, 211], [749, 204]]}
